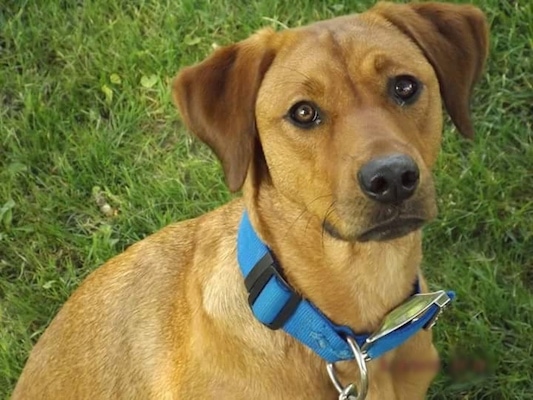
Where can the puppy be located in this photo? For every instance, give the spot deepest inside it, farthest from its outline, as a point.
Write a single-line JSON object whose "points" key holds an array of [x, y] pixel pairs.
{"points": [[331, 131]]}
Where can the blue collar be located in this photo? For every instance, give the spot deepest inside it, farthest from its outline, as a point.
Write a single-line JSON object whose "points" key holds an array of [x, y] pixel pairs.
{"points": [[275, 304]]}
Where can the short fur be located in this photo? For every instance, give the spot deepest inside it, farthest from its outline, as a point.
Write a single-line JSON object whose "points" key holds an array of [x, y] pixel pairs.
{"points": [[169, 319]]}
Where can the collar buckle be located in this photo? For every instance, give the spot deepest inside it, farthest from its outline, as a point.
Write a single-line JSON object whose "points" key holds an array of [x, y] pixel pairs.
{"points": [[264, 272]]}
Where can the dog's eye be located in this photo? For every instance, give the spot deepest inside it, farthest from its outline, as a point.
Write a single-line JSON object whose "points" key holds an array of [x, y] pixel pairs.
{"points": [[304, 115], [405, 89]]}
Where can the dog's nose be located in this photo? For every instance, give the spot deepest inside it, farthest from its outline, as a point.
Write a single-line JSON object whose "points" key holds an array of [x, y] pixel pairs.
{"points": [[390, 179]]}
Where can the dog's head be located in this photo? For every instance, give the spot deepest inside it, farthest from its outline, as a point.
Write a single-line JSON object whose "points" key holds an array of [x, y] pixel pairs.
{"points": [[343, 117]]}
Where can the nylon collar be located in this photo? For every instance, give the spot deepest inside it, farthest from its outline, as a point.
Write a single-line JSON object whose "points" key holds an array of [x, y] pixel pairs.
{"points": [[275, 304]]}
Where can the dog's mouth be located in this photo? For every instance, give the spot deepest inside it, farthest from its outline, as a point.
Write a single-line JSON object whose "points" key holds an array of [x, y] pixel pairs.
{"points": [[388, 230], [392, 229], [380, 223]]}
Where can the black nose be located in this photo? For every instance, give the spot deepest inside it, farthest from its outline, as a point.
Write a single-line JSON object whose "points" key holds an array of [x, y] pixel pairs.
{"points": [[390, 179]]}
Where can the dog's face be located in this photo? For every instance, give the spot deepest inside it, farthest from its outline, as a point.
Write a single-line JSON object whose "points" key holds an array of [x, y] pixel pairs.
{"points": [[347, 110], [352, 119]]}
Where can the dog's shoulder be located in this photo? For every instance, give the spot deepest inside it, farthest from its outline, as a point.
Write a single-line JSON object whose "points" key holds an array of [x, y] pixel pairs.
{"points": [[169, 255]]}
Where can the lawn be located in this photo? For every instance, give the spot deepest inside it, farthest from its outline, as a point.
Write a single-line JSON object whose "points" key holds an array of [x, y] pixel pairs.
{"points": [[93, 157]]}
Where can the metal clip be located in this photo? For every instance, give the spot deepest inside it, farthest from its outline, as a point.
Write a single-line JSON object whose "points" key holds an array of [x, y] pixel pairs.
{"points": [[350, 392]]}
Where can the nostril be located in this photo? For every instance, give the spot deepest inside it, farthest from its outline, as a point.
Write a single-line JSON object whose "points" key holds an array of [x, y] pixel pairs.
{"points": [[389, 179], [378, 185], [410, 180]]}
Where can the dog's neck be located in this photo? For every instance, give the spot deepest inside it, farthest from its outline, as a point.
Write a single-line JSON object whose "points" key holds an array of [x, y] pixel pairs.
{"points": [[353, 283]]}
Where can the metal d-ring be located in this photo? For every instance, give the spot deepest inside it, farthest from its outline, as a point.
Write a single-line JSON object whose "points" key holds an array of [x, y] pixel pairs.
{"points": [[350, 391]]}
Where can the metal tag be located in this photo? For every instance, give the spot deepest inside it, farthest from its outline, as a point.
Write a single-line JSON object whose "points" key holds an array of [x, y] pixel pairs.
{"points": [[409, 312]]}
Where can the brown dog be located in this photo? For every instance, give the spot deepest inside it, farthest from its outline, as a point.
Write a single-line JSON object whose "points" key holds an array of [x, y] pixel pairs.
{"points": [[331, 130]]}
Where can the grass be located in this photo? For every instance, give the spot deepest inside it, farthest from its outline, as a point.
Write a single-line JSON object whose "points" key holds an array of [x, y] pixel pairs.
{"points": [[93, 157]]}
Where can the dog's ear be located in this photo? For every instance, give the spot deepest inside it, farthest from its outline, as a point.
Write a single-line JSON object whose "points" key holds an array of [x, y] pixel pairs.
{"points": [[217, 98], [454, 39]]}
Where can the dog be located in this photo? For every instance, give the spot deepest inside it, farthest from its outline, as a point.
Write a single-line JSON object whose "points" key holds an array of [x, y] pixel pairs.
{"points": [[331, 131]]}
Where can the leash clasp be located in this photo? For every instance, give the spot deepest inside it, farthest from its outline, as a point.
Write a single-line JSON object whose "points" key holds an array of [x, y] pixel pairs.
{"points": [[351, 392]]}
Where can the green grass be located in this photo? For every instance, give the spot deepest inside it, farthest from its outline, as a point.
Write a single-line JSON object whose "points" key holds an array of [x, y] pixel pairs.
{"points": [[86, 120]]}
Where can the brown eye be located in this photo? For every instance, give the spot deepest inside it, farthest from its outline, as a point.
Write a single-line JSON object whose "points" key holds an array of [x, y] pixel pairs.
{"points": [[405, 89], [304, 115]]}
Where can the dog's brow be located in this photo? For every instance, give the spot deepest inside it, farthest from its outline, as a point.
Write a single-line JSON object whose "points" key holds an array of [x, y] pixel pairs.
{"points": [[308, 85], [312, 86]]}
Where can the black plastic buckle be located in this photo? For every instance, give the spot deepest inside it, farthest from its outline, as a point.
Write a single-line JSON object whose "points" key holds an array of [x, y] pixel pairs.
{"points": [[256, 281]]}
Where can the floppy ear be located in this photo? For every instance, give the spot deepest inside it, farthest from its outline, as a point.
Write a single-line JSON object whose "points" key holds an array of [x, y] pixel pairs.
{"points": [[454, 39], [217, 101]]}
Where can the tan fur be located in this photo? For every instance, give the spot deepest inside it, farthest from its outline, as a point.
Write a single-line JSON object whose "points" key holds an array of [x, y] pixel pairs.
{"points": [[169, 319]]}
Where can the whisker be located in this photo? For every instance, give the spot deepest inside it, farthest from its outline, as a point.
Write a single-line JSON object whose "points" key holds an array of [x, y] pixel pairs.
{"points": [[328, 212], [302, 213]]}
